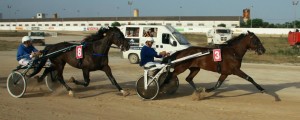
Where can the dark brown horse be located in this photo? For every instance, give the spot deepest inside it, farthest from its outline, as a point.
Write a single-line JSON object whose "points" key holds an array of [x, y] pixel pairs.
{"points": [[232, 54], [95, 56]]}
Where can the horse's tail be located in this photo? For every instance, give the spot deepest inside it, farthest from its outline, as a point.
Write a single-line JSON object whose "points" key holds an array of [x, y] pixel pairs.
{"points": [[41, 63]]}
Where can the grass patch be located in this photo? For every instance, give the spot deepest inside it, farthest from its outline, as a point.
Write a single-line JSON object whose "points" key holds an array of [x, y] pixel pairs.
{"points": [[13, 33], [8, 45]]}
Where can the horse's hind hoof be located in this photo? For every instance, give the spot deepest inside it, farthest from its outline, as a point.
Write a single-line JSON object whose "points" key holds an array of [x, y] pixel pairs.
{"points": [[125, 93], [71, 80], [71, 93], [198, 94]]}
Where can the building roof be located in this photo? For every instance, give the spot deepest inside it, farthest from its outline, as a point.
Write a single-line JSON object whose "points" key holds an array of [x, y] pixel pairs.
{"points": [[144, 18]]}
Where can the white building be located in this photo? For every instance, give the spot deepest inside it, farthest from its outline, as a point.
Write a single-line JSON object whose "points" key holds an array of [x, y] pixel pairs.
{"points": [[94, 23]]}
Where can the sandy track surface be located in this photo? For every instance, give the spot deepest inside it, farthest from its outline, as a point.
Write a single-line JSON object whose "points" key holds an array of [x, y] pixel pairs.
{"points": [[236, 99]]}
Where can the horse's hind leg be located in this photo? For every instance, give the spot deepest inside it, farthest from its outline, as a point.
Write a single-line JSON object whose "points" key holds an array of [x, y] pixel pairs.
{"points": [[107, 71], [197, 95], [241, 74], [193, 72], [46, 71], [218, 84], [86, 76], [60, 77]]}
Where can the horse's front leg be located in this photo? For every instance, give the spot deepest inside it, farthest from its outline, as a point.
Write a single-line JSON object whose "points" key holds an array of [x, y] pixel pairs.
{"points": [[241, 74], [86, 76], [113, 81], [218, 84]]}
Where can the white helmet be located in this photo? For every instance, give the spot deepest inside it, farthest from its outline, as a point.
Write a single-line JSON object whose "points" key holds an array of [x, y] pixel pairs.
{"points": [[26, 38], [150, 40]]}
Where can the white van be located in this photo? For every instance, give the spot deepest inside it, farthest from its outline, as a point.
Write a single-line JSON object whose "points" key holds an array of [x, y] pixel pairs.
{"points": [[166, 39], [218, 35]]}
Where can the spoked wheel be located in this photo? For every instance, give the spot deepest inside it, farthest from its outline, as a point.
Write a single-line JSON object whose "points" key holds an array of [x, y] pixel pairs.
{"points": [[152, 90], [168, 86], [16, 84], [51, 80]]}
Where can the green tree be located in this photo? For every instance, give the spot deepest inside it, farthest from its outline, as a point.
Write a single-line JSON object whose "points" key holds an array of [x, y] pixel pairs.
{"points": [[265, 24], [256, 23], [297, 23], [244, 25]]}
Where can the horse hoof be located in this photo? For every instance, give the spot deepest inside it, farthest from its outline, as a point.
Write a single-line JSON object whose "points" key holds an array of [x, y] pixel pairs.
{"points": [[263, 91], [71, 93], [125, 93], [38, 78], [198, 94], [71, 80]]}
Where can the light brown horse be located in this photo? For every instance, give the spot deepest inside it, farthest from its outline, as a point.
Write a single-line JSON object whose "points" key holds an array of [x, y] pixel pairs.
{"points": [[232, 54]]}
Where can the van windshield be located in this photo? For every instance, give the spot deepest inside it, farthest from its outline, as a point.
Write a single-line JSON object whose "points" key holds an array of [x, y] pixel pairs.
{"points": [[223, 31], [181, 39], [42, 34]]}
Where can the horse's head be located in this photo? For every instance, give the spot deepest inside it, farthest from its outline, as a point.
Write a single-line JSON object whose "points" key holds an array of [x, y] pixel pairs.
{"points": [[255, 43], [118, 38]]}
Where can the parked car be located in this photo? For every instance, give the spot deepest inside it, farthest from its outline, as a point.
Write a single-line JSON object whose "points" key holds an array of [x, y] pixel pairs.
{"points": [[294, 38], [38, 37]]}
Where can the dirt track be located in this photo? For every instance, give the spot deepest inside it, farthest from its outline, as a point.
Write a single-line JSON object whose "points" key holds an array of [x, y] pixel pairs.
{"points": [[236, 99]]}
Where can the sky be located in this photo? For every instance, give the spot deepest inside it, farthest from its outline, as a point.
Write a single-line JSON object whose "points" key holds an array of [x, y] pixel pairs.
{"points": [[272, 11]]}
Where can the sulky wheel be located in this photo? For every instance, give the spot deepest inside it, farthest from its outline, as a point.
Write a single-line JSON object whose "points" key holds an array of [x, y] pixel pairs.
{"points": [[51, 80], [168, 86], [16, 84], [152, 90]]}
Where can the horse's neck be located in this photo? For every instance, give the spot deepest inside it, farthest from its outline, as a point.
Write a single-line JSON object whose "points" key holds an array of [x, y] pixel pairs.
{"points": [[102, 47], [240, 48]]}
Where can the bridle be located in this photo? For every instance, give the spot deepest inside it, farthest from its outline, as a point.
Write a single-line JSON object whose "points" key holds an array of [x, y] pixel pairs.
{"points": [[254, 41]]}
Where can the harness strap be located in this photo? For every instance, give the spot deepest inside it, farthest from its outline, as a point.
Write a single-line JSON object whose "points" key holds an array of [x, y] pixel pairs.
{"points": [[219, 67], [99, 55]]}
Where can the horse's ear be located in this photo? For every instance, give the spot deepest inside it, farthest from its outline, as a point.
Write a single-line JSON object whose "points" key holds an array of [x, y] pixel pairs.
{"points": [[250, 33]]}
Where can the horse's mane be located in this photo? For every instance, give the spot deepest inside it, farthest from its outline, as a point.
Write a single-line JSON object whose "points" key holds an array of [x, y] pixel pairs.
{"points": [[233, 40], [97, 36]]}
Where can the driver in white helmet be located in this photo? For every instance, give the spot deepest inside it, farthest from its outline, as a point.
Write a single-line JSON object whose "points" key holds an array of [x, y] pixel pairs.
{"points": [[26, 51], [148, 53], [147, 58]]}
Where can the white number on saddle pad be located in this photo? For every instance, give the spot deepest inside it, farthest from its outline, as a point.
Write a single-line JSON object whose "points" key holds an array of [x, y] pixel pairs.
{"points": [[79, 54], [217, 55]]}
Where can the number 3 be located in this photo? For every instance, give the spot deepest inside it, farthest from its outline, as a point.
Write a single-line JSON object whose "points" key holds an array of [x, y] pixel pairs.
{"points": [[217, 55]]}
